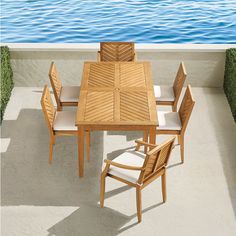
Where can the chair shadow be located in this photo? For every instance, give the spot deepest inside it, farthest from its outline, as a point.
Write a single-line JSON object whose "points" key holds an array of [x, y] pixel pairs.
{"points": [[117, 191], [116, 153], [129, 134], [28, 178], [40, 91], [135, 215], [174, 165], [92, 220]]}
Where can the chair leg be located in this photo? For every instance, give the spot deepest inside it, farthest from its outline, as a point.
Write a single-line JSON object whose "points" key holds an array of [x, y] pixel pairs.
{"points": [[181, 143], [102, 189], [88, 145], [59, 107], [139, 203], [89, 138], [174, 108], [145, 139], [52, 142], [163, 184]]}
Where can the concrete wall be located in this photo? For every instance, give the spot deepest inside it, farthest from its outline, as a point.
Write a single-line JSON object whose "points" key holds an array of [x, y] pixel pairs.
{"points": [[204, 63]]}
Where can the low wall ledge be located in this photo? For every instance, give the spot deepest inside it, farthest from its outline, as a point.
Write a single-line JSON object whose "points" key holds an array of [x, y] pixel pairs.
{"points": [[93, 47]]}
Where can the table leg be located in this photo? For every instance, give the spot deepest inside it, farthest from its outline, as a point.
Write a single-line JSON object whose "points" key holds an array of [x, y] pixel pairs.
{"points": [[145, 139], [81, 151], [152, 135]]}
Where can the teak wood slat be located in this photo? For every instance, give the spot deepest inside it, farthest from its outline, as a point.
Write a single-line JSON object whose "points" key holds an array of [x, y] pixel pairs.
{"points": [[116, 96], [116, 51]]}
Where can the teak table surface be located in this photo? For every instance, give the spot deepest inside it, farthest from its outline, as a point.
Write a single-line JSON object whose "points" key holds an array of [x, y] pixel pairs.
{"points": [[115, 96]]}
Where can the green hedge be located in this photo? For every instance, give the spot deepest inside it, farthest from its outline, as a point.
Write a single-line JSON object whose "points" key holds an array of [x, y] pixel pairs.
{"points": [[230, 79], [6, 79]]}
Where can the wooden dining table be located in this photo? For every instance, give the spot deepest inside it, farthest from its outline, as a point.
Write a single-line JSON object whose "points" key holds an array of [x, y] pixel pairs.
{"points": [[115, 96]]}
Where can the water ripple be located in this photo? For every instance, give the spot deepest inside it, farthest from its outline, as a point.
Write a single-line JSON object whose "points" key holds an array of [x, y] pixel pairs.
{"points": [[141, 21]]}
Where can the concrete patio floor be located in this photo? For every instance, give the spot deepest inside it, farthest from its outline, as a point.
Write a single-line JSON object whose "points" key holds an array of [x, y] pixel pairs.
{"points": [[42, 199]]}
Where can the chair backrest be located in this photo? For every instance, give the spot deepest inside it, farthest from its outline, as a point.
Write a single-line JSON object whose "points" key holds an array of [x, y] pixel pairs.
{"points": [[117, 51], [179, 81], [55, 82], [48, 108], [156, 159], [186, 108]]}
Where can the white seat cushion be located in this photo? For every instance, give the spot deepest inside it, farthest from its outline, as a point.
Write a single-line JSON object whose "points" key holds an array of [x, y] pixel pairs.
{"points": [[131, 158], [164, 93], [65, 120], [70, 94], [168, 120]]}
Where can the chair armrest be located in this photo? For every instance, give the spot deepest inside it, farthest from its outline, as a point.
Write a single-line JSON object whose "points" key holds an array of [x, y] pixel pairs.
{"points": [[123, 166], [142, 143], [98, 56]]}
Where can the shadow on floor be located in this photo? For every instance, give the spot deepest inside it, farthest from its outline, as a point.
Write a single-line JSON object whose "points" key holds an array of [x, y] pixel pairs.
{"points": [[130, 135], [28, 179], [91, 220], [225, 133], [116, 153]]}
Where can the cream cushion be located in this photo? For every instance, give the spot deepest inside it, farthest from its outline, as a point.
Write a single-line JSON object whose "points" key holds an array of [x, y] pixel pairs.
{"points": [[131, 158], [64, 120], [168, 120], [70, 94], [164, 93]]}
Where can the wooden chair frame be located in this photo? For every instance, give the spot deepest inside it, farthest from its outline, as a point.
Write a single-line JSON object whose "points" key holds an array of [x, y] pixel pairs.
{"points": [[177, 87], [101, 56], [49, 112], [154, 166], [185, 111], [57, 87]]}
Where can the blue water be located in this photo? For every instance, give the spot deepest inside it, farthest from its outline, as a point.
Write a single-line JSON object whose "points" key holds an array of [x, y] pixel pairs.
{"points": [[140, 21]]}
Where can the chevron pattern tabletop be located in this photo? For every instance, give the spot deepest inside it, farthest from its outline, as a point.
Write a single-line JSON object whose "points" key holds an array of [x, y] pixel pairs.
{"points": [[117, 93]]}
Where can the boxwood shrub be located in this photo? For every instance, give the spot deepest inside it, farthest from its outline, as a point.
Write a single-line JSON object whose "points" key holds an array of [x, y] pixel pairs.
{"points": [[230, 79], [6, 79]]}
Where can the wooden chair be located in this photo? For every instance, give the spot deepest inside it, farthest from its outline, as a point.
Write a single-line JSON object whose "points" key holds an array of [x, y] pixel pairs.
{"points": [[64, 95], [116, 51], [138, 170], [169, 95], [59, 122], [176, 122]]}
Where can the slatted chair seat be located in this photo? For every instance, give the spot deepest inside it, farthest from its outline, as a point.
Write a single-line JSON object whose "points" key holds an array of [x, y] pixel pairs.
{"points": [[65, 120], [138, 169], [168, 120], [70, 94], [170, 95], [164, 93], [132, 157]]}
